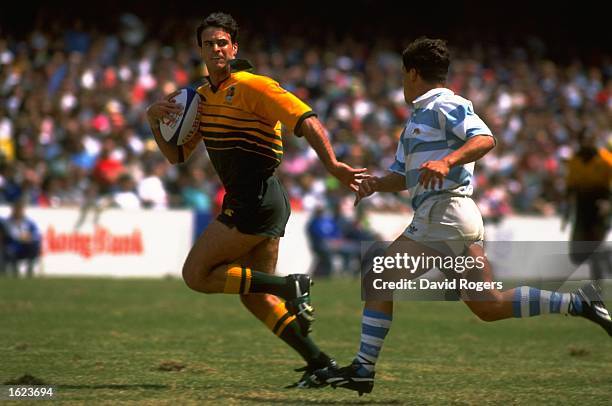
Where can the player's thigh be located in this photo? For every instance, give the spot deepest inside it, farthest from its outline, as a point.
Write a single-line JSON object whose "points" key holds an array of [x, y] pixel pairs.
{"points": [[456, 221], [218, 244], [263, 257]]}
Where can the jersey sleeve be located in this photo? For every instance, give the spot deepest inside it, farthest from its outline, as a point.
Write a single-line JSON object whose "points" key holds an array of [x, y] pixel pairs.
{"points": [[461, 119], [277, 104]]}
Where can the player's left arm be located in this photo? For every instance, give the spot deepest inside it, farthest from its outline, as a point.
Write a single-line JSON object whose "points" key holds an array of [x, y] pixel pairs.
{"points": [[433, 173], [277, 104]]}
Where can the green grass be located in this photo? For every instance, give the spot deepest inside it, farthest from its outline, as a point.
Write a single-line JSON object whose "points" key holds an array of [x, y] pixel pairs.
{"points": [[105, 340]]}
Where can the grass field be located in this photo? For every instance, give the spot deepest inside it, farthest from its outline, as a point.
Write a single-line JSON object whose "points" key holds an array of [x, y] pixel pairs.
{"points": [[154, 341]]}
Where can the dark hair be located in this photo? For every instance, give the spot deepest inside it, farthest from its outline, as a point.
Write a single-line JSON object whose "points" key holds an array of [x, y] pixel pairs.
{"points": [[220, 20], [429, 57]]}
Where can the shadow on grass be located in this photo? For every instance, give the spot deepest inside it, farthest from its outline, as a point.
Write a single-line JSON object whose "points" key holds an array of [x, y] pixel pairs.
{"points": [[285, 401], [113, 386]]}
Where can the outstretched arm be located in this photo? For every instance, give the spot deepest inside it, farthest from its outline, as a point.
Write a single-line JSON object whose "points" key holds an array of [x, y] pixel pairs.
{"points": [[315, 134]]}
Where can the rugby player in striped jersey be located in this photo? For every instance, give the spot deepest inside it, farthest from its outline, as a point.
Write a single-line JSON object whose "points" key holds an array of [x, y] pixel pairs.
{"points": [[435, 165]]}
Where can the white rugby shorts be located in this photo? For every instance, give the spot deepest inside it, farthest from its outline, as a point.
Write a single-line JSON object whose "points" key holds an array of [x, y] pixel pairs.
{"points": [[450, 218]]}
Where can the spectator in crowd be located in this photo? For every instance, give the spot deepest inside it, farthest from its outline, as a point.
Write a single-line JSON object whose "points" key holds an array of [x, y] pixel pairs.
{"points": [[108, 168], [21, 241], [354, 230], [193, 192], [494, 201], [125, 197], [324, 236], [151, 188], [72, 101], [337, 235]]}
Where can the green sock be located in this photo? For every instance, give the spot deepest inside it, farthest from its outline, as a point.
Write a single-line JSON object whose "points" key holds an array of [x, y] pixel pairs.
{"points": [[303, 345], [267, 283]]}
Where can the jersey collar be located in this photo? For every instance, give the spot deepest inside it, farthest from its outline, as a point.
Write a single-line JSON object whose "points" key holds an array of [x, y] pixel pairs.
{"points": [[236, 65], [423, 99]]}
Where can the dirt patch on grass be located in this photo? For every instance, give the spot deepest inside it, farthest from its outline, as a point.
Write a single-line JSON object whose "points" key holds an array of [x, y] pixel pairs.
{"points": [[201, 368], [171, 366], [578, 351]]}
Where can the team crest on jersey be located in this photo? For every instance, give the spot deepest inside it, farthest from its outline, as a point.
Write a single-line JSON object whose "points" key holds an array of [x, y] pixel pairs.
{"points": [[228, 212], [416, 131], [412, 229], [230, 95]]}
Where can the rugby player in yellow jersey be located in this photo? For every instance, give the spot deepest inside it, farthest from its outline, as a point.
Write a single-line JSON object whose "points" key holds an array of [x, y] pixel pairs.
{"points": [[588, 182], [240, 119]]}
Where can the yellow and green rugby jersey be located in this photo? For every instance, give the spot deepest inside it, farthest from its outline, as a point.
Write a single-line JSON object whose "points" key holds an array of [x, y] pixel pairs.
{"points": [[591, 176], [240, 124]]}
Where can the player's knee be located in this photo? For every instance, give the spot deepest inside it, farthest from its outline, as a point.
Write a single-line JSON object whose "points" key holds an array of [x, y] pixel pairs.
{"points": [[486, 311], [190, 280], [487, 316], [195, 279]]}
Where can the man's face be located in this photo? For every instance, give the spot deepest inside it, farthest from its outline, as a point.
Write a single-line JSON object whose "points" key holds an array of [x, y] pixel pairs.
{"points": [[217, 48]]}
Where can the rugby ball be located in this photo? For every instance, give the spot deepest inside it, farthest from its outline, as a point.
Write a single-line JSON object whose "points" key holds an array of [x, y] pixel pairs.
{"points": [[180, 128]]}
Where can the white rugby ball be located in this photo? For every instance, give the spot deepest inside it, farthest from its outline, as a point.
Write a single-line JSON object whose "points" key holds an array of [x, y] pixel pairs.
{"points": [[181, 128]]}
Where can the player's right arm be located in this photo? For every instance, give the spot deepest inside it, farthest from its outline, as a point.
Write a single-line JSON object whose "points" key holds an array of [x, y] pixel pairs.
{"points": [[163, 109]]}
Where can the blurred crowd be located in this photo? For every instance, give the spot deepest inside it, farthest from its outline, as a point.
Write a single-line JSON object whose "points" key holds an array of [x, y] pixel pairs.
{"points": [[73, 129]]}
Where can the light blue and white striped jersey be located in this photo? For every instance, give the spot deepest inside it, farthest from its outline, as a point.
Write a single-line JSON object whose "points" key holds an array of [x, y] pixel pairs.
{"points": [[441, 122]]}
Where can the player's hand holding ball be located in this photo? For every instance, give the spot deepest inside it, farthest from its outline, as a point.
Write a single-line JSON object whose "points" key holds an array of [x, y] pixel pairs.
{"points": [[163, 109], [176, 116]]}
